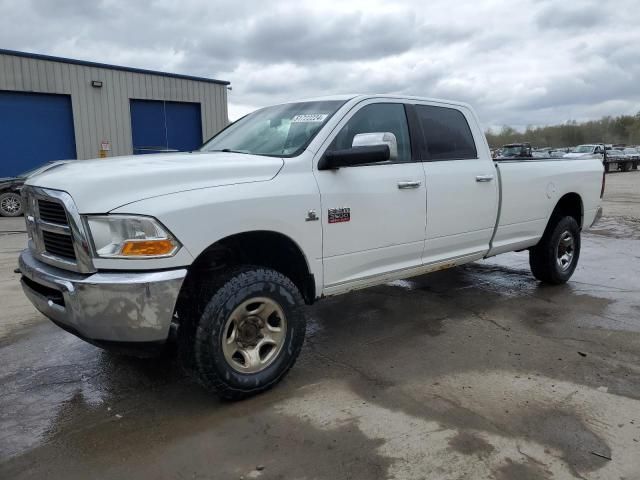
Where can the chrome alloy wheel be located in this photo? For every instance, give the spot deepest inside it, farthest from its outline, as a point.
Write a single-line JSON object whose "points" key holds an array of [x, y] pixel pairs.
{"points": [[254, 334], [10, 205], [565, 251]]}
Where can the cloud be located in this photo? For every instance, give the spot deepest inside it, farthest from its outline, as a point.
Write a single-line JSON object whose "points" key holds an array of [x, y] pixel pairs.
{"points": [[570, 17], [517, 61]]}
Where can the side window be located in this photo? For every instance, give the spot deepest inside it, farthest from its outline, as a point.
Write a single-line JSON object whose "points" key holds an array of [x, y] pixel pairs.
{"points": [[446, 133], [377, 117]]}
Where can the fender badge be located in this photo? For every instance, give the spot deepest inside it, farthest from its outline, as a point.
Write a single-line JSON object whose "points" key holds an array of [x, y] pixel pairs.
{"points": [[339, 215], [311, 216]]}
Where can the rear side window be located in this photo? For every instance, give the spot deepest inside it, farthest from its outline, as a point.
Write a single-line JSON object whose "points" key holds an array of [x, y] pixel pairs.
{"points": [[446, 133]]}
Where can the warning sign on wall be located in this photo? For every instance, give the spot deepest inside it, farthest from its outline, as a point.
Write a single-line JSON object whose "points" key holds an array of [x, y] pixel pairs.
{"points": [[105, 146]]}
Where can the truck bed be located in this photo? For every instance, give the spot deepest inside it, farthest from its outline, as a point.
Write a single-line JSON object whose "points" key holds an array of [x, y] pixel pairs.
{"points": [[529, 192]]}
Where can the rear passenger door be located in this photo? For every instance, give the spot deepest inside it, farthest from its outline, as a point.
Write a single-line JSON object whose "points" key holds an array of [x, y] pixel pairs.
{"points": [[462, 183]]}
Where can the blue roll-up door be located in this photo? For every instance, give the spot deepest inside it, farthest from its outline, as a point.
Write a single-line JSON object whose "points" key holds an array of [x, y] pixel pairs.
{"points": [[158, 126], [34, 128]]}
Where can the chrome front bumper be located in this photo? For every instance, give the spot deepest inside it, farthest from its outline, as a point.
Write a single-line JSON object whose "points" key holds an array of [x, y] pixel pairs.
{"points": [[110, 307]]}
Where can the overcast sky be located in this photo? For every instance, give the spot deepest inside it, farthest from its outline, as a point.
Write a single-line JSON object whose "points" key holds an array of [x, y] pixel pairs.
{"points": [[517, 62]]}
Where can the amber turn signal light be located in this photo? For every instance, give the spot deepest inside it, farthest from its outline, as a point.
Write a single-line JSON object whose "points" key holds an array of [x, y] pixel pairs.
{"points": [[143, 248]]}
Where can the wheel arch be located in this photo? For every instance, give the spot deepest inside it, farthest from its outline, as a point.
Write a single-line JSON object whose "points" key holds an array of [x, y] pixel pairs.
{"points": [[262, 248], [569, 205]]}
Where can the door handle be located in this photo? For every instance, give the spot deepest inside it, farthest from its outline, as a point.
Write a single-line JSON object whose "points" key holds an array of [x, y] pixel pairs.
{"points": [[408, 184], [484, 178]]}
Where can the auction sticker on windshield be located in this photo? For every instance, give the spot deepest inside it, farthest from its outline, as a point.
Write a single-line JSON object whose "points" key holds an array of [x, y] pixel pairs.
{"points": [[309, 117]]}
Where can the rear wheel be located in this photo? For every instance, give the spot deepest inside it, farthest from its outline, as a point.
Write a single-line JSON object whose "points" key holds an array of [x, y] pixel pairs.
{"points": [[249, 334], [626, 166], [554, 259], [10, 205]]}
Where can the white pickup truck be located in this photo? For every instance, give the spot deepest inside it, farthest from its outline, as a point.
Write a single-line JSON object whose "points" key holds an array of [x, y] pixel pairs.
{"points": [[221, 248]]}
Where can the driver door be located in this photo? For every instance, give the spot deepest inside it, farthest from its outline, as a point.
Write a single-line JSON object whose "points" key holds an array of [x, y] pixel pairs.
{"points": [[373, 215]]}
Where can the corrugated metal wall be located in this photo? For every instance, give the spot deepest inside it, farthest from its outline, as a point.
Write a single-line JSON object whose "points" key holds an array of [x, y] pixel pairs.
{"points": [[103, 113]]}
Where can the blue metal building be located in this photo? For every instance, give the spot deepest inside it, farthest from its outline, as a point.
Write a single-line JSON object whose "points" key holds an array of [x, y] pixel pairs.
{"points": [[55, 108]]}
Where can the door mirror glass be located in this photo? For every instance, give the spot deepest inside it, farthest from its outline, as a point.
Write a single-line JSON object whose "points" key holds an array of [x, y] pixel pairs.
{"points": [[377, 139]]}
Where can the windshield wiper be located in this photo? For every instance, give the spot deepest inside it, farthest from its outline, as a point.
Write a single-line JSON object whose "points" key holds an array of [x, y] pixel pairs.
{"points": [[228, 150]]}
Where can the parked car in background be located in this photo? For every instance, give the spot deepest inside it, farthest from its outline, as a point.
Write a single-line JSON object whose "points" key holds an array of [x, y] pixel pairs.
{"points": [[544, 153], [634, 154], [10, 200], [586, 151], [516, 150], [557, 152]]}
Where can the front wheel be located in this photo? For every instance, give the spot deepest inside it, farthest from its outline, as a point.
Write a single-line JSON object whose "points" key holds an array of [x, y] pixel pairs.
{"points": [[554, 259], [10, 205], [249, 334]]}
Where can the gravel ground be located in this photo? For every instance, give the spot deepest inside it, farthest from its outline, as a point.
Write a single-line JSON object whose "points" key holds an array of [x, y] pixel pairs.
{"points": [[475, 372]]}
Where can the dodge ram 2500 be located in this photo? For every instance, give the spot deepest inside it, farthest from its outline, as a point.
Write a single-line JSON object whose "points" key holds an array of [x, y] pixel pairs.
{"points": [[219, 249]]}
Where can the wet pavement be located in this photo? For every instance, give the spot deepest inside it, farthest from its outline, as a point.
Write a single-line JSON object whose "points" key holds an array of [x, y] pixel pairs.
{"points": [[474, 372]]}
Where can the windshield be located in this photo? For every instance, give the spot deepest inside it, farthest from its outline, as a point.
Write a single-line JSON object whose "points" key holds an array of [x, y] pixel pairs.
{"points": [[583, 149], [281, 130]]}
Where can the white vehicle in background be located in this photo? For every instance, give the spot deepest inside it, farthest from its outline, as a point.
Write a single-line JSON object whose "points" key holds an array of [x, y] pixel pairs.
{"points": [[595, 150], [613, 158], [541, 153], [221, 248], [558, 152]]}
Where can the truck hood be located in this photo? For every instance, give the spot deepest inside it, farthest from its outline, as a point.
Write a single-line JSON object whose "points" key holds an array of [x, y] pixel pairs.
{"points": [[98, 186]]}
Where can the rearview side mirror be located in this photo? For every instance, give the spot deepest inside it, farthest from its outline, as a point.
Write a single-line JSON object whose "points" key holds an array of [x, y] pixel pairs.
{"points": [[378, 138], [365, 148]]}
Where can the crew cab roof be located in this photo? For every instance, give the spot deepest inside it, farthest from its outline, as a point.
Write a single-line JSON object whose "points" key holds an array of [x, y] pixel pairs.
{"points": [[360, 97]]}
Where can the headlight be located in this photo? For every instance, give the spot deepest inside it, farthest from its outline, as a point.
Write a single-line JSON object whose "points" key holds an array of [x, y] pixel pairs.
{"points": [[128, 236]]}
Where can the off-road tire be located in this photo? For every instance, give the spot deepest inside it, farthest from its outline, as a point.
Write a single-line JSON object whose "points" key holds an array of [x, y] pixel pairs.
{"points": [[543, 257], [15, 199], [232, 288]]}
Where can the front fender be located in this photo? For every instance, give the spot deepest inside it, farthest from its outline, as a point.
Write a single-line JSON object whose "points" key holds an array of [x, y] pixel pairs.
{"points": [[200, 218]]}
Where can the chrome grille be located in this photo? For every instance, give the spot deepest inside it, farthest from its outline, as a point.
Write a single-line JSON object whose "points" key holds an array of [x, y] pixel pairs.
{"points": [[59, 244], [56, 232], [52, 212]]}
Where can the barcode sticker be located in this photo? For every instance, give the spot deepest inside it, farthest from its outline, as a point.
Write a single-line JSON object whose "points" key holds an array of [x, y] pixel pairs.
{"points": [[309, 118]]}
